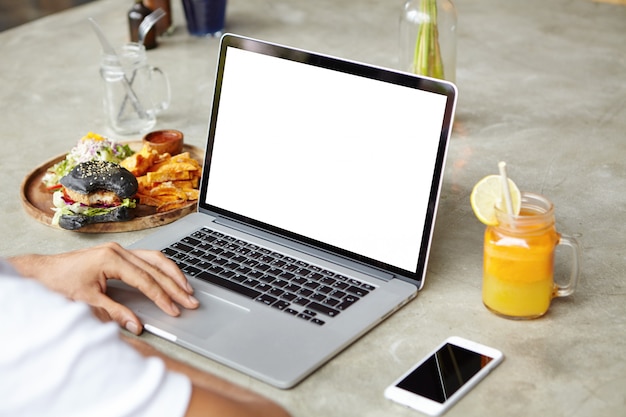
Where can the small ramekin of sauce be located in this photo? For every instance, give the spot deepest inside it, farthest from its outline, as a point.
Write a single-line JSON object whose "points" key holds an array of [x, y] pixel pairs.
{"points": [[165, 141]]}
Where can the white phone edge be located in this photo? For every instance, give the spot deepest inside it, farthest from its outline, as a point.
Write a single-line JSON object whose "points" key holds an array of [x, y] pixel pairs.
{"points": [[433, 408]]}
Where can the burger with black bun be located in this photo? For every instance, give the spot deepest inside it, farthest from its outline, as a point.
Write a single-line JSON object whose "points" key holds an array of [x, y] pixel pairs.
{"points": [[94, 192]]}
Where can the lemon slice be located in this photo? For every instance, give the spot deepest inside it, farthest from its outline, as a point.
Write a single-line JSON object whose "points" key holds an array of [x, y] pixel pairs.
{"points": [[487, 195]]}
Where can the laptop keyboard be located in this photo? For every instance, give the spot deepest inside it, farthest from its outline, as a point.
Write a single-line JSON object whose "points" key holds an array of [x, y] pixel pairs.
{"points": [[301, 289]]}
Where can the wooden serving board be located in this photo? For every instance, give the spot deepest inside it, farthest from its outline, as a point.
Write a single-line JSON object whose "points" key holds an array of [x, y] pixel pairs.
{"points": [[37, 201]]}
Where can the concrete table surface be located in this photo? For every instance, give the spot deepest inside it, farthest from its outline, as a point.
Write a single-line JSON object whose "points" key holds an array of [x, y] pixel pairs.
{"points": [[542, 85]]}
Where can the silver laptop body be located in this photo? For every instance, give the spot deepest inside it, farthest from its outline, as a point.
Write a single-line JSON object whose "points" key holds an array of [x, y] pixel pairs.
{"points": [[333, 164]]}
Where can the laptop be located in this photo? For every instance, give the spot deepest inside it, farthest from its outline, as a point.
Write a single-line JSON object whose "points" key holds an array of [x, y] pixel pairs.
{"points": [[316, 212]]}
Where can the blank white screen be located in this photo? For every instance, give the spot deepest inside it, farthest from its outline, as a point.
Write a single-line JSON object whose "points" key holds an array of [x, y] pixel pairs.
{"points": [[341, 159]]}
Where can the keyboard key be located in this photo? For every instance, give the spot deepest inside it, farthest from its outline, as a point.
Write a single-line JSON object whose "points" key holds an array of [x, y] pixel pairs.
{"points": [[305, 292], [238, 288], [266, 259], [286, 275], [196, 253], [169, 252], [276, 292], [291, 287], [312, 285], [300, 301], [324, 309], [199, 234], [340, 285], [347, 302], [304, 316], [331, 302], [303, 272], [337, 294], [191, 270], [274, 271], [251, 282], [289, 296], [191, 241], [319, 277], [251, 263], [244, 269], [278, 263], [280, 283], [192, 261], [357, 291], [204, 246], [214, 269], [325, 289], [238, 278], [263, 287], [318, 297], [227, 274], [256, 274], [231, 265], [299, 281], [181, 247], [267, 278], [281, 305], [266, 299], [203, 265]]}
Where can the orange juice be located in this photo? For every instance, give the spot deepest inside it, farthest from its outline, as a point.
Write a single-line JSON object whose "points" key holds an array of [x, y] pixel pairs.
{"points": [[519, 263]]}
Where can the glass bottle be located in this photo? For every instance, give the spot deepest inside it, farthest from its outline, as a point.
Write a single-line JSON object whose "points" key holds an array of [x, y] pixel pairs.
{"points": [[135, 16], [428, 38]]}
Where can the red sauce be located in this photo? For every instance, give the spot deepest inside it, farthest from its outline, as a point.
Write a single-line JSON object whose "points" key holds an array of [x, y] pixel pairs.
{"points": [[164, 137], [170, 141]]}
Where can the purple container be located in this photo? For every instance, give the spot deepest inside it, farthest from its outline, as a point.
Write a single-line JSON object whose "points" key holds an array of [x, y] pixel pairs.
{"points": [[205, 17]]}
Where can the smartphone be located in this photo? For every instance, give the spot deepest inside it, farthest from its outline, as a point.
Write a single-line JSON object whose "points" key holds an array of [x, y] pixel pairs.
{"points": [[446, 374]]}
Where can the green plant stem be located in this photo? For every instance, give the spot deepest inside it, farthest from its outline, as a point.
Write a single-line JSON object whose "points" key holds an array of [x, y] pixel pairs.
{"points": [[427, 55]]}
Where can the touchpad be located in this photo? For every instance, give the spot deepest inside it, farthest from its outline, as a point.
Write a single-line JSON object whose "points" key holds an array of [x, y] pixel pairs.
{"points": [[213, 313]]}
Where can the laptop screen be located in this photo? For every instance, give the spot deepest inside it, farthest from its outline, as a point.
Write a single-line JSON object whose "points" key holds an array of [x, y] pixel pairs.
{"points": [[346, 156]]}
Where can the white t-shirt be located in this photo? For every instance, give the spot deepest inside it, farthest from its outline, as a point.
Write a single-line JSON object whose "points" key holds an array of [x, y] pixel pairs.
{"points": [[56, 359]]}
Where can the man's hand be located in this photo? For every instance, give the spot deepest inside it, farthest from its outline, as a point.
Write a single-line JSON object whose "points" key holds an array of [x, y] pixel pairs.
{"points": [[82, 275]]}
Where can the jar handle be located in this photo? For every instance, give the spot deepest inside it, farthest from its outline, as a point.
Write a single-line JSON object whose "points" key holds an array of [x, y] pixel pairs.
{"points": [[161, 95], [569, 288]]}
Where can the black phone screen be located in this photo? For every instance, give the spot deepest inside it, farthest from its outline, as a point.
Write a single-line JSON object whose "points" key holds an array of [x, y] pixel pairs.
{"points": [[443, 373]]}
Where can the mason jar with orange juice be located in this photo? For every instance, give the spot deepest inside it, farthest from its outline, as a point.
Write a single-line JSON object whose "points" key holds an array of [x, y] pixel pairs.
{"points": [[518, 262]]}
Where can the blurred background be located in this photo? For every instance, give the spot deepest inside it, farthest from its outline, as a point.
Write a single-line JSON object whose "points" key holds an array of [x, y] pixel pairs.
{"points": [[14, 13]]}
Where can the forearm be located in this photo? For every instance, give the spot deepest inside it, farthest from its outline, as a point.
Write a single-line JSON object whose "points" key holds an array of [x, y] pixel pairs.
{"points": [[28, 265], [211, 392]]}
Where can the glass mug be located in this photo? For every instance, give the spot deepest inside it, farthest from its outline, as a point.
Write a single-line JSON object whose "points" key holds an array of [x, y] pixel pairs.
{"points": [[518, 268], [134, 92]]}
